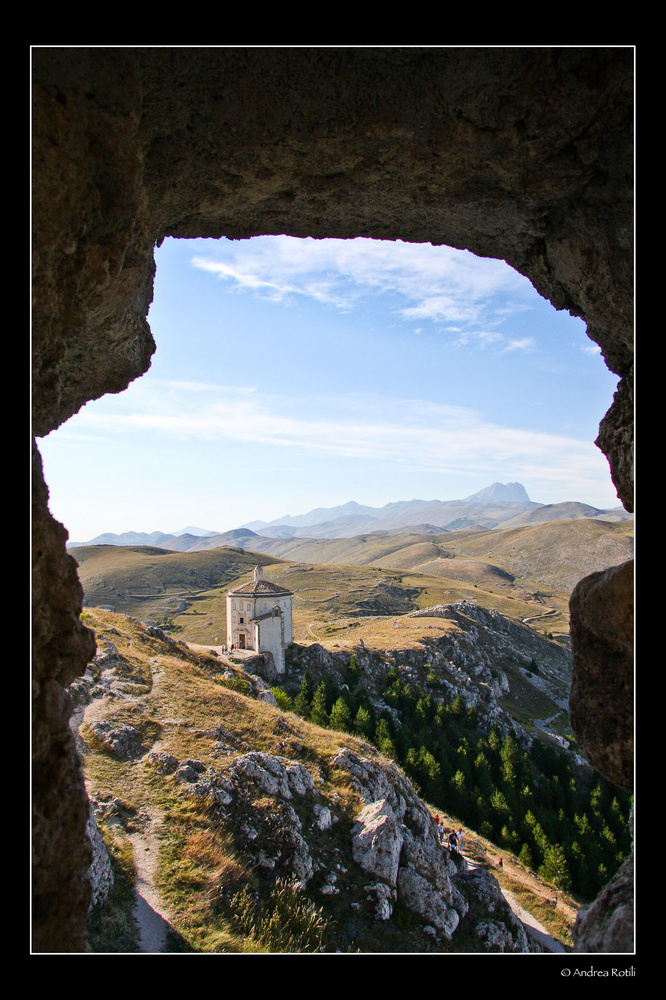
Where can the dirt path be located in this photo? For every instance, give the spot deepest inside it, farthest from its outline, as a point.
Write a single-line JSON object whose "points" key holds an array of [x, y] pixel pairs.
{"points": [[151, 916], [531, 924], [546, 614]]}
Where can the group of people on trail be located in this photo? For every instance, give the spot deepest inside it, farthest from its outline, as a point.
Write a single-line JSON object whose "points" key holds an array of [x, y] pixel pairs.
{"points": [[454, 841]]}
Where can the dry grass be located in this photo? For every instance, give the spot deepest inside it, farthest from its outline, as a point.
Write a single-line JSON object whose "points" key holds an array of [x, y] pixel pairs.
{"points": [[181, 714]]}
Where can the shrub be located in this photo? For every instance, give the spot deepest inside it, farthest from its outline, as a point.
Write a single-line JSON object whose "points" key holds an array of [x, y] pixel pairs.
{"points": [[282, 698]]}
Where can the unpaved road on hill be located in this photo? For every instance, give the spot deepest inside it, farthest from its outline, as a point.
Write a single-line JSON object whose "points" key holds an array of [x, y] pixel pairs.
{"points": [[532, 925]]}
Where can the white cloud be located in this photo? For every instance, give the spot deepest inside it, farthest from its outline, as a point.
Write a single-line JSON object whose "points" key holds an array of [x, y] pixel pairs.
{"points": [[437, 283], [522, 344], [406, 433]]}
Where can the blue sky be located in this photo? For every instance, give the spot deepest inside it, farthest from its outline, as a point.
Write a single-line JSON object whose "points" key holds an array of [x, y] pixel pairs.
{"points": [[292, 374]]}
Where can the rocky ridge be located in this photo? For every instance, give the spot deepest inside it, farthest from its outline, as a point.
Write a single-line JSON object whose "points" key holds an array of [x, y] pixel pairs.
{"points": [[466, 662]]}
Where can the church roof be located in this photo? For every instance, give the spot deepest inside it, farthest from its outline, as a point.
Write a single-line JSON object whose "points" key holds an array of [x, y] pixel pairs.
{"points": [[260, 588]]}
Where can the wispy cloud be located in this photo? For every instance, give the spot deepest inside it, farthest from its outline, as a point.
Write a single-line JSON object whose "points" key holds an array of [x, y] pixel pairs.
{"points": [[410, 434], [436, 283]]}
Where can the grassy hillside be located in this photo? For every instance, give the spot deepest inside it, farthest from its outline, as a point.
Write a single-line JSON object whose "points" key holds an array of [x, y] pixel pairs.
{"points": [[553, 553], [361, 587], [338, 603], [151, 583], [181, 708]]}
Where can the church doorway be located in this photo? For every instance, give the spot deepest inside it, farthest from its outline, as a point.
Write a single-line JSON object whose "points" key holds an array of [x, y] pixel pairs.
{"points": [[241, 640]]}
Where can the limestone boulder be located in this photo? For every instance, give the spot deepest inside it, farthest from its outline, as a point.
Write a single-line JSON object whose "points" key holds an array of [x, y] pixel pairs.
{"points": [[377, 842]]}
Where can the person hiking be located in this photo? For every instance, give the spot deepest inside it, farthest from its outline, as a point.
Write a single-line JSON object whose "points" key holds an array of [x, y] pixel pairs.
{"points": [[453, 841], [460, 839]]}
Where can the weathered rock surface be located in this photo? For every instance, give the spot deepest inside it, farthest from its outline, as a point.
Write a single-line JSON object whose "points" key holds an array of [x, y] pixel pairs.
{"points": [[118, 738], [607, 925], [602, 638], [100, 873], [525, 154], [377, 842], [496, 926]]}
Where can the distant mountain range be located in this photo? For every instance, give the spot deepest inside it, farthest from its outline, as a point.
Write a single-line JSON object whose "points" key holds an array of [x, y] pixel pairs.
{"points": [[499, 505]]}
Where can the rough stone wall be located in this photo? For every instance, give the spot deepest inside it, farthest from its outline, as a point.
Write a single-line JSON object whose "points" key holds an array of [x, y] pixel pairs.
{"points": [[522, 154], [101, 872]]}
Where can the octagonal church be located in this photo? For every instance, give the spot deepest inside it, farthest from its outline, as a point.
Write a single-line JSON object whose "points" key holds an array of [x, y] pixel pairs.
{"points": [[259, 617]]}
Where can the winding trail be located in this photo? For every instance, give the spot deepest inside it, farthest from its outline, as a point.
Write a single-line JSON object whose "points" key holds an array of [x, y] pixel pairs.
{"points": [[530, 923], [151, 917]]}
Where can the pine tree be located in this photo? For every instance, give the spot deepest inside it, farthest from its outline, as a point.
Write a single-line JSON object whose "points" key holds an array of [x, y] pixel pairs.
{"points": [[363, 723], [384, 741], [555, 868], [510, 755], [525, 856], [353, 672], [341, 717], [431, 774], [509, 838], [458, 789], [471, 718], [318, 712], [482, 773], [457, 707], [303, 699]]}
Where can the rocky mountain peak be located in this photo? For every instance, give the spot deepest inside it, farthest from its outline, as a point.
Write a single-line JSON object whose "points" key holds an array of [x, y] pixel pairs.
{"points": [[501, 493]]}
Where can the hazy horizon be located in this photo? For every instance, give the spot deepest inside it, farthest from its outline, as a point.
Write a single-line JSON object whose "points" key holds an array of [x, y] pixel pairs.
{"points": [[252, 525]]}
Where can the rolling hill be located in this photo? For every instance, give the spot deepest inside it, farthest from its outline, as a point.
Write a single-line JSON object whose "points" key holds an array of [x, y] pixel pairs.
{"points": [[355, 587], [553, 553]]}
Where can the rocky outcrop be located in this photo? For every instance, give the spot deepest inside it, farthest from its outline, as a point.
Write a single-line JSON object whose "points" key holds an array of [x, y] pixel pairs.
{"points": [[525, 154], [61, 647], [464, 663], [100, 873], [389, 856], [396, 841]]}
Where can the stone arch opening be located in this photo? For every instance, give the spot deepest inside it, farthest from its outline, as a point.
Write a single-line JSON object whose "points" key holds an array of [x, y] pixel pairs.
{"points": [[521, 154]]}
